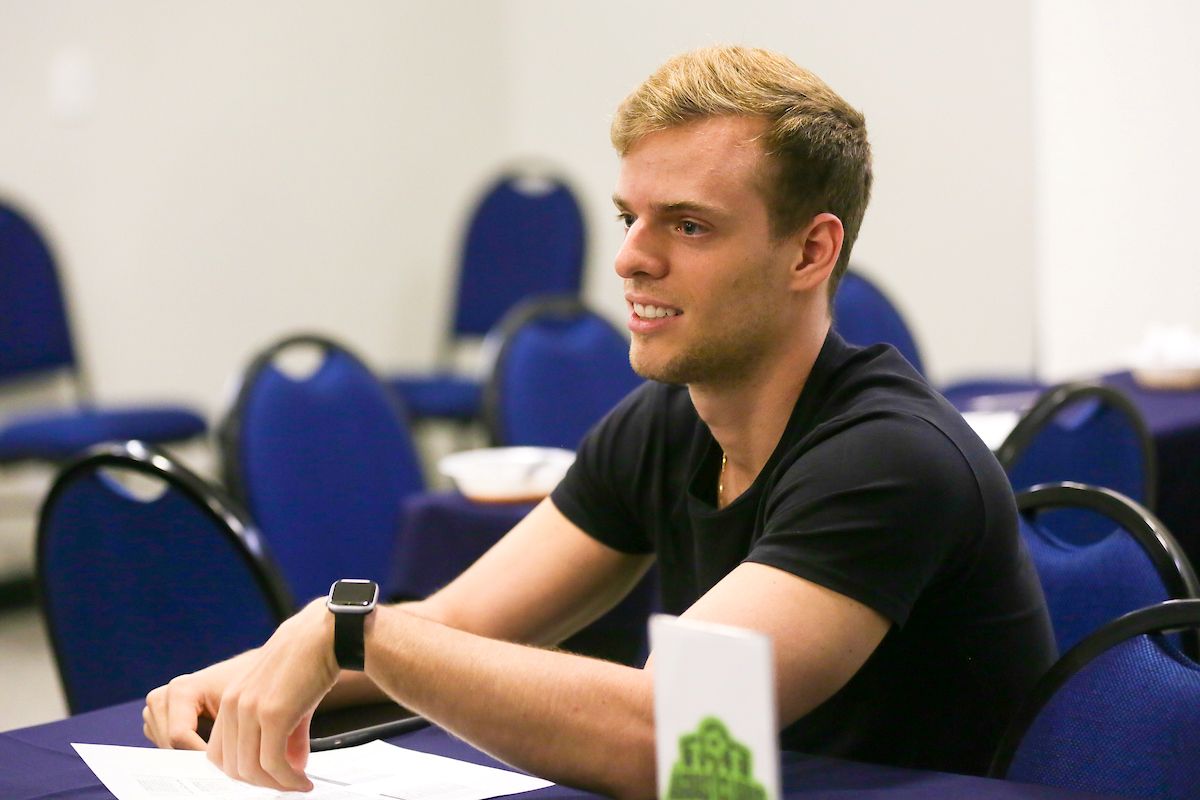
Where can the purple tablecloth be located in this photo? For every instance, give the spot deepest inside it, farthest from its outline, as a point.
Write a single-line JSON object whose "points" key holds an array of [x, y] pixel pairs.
{"points": [[442, 533], [1173, 418], [39, 764]]}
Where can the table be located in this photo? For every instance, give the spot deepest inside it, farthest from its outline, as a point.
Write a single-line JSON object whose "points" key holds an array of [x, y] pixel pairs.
{"points": [[1173, 418], [442, 533], [38, 763]]}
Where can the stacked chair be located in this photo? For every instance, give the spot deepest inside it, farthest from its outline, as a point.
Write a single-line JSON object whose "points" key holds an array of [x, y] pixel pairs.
{"points": [[864, 314], [1099, 555], [526, 237], [36, 346], [319, 450], [144, 572], [1117, 714], [1086, 433], [555, 367]]}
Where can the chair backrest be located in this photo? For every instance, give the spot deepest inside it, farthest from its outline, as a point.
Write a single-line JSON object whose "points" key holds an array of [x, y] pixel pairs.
{"points": [[1099, 555], [1082, 432], [145, 571], [526, 237], [34, 332], [864, 315], [322, 457], [555, 368], [1117, 714]]}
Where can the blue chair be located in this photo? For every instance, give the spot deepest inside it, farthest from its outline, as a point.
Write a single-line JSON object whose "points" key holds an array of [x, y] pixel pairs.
{"points": [[864, 315], [525, 237], [144, 571], [556, 367], [35, 343], [1087, 433], [322, 457], [1126, 559], [1118, 714]]}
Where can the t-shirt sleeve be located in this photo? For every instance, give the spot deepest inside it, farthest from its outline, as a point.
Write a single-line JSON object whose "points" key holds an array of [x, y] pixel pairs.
{"points": [[599, 493], [873, 513]]}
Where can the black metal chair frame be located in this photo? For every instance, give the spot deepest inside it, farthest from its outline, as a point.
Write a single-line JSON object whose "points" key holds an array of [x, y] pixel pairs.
{"points": [[147, 460], [1168, 617], [229, 429], [1052, 401], [1165, 552], [499, 340]]}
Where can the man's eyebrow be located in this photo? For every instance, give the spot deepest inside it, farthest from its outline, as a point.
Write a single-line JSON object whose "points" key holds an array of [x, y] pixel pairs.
{"points": [[675, 207]]}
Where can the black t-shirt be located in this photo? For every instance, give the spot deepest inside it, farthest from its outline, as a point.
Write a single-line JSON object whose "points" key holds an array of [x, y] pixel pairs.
{"points": [[878, 490]]}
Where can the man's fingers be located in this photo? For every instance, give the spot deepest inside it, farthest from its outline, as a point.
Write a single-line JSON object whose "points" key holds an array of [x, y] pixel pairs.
{"points": [[277, 748], [153, 716], [249, 734]]}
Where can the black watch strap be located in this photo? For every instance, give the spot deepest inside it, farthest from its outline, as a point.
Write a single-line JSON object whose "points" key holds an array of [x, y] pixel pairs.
{"points": [[348, 641]]}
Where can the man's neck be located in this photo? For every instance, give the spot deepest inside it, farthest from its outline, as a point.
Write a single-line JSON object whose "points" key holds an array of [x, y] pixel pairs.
{"points": [[748, 418]]}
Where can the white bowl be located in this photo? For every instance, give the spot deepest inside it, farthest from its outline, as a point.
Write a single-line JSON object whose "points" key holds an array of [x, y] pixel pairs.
{"points": [[1168, 378], [507, 474]]}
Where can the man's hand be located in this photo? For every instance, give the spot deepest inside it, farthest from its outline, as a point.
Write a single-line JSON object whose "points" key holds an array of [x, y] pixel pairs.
{"points": [[261, 731], [172, 713]]}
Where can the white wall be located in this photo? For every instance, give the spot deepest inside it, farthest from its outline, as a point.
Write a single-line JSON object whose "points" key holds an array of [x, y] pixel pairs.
{"points": [[252, 168], [249, 169], [1118, 165], [945, 87]]}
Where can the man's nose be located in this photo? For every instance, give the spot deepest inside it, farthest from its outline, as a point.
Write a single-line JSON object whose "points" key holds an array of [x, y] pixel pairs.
{"points": [[640, 253]]}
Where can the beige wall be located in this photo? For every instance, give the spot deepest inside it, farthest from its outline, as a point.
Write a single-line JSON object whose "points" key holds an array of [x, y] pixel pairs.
{"points": [[248, 169], [252, 168], [1118, 165], [946, 89]]}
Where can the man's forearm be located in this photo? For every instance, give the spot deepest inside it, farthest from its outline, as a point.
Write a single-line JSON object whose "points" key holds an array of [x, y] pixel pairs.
{"points": [[569, 718]]}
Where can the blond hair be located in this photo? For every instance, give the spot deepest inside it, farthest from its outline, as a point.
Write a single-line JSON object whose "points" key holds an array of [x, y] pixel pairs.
{"points": [[816, 141]]}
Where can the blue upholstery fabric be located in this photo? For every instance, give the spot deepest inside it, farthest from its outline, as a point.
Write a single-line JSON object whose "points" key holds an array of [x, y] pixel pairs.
{"points": [[555, 376], [444, 396], [1124, 724], [59, 435], [137, 591], [35, 338], [323, 463], [1087, 441], [1088, 584], [34, 335], [525, 238], [864, 315]]}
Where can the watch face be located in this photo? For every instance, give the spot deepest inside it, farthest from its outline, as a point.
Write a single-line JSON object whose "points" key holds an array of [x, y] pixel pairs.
{"points": [[354, 593]]}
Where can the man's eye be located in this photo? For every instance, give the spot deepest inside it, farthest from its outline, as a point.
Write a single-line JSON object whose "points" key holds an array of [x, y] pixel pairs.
{"points": [[626, 220], [689, 228]]}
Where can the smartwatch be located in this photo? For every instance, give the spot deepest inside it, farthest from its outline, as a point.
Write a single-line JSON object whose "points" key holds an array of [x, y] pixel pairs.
{"points": [[350, 600]]}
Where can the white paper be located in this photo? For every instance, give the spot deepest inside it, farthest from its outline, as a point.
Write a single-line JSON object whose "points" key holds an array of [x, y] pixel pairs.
{"points": [[993, 427], [373, 770], [714, 710]]}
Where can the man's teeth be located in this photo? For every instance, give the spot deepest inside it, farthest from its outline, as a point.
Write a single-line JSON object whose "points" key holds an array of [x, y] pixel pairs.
{"points": [[653, 312]]}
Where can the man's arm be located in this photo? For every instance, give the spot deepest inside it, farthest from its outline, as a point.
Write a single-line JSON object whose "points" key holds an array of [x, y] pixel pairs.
{"points": [[534, 586], [573, 719]]}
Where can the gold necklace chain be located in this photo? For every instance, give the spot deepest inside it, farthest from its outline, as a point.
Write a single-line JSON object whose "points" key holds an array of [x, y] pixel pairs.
{"points": [[721, 478]]}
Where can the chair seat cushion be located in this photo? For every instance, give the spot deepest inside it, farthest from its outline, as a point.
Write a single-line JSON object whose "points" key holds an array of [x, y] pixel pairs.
{"points": [[59, 435], [441, 396]]}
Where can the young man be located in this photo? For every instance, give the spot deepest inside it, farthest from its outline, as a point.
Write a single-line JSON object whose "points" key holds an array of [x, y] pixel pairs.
{"points": [[782, 480]]}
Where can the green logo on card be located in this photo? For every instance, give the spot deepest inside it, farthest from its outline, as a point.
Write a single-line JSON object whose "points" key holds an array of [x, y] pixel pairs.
{"points": [[713, 765]]}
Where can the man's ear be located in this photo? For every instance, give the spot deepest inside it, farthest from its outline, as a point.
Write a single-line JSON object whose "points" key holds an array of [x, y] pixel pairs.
{"points": [[819, 245]]}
